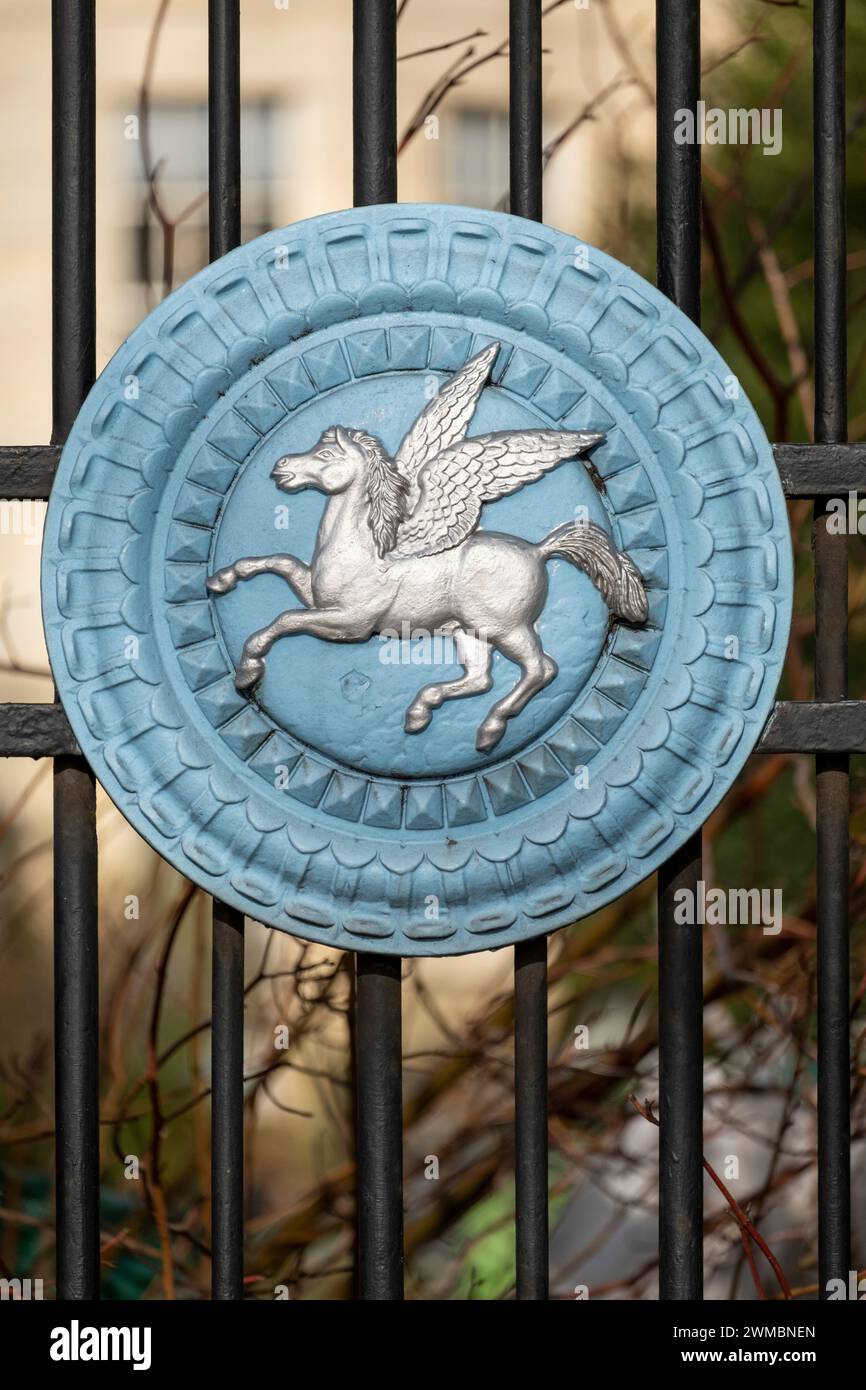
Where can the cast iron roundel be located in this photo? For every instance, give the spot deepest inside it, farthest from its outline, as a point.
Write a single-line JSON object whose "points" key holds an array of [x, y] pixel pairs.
{"points": [[416, 579]]}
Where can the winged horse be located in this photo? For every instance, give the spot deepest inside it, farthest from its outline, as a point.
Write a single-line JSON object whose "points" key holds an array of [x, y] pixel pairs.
{"points": [[398, 549]]}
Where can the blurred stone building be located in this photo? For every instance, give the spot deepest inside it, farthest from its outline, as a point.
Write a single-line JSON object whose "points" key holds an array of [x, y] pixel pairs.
{"points": [[296, 83]]}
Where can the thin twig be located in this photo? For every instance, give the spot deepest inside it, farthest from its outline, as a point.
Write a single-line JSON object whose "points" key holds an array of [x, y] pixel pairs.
{"points": [[746, 1226], [442, 47]]}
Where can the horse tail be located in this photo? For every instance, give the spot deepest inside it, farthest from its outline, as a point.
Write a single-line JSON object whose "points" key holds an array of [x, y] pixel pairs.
{"points": [[617, 579]]}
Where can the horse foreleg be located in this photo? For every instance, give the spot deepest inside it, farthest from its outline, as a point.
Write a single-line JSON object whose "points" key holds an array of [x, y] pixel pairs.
{"points": [[523, 647], [296, 574], [331, 623], [475, 656]]}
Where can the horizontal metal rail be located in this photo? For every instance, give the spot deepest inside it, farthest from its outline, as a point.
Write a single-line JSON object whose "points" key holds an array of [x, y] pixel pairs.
{"points": [[805, 470], [794, 726], [815, 726], [821, 470], [36, 731], [27, 471]]}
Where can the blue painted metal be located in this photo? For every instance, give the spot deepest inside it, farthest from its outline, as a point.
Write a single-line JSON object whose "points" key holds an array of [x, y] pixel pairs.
{"points": [[306, 805]]}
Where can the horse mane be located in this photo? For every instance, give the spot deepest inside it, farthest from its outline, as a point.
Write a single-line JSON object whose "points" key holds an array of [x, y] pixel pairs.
{"points": [[386, 491]]}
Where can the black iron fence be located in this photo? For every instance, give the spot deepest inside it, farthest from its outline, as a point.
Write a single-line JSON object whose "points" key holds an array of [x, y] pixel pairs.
{"points": [[830, 726]]}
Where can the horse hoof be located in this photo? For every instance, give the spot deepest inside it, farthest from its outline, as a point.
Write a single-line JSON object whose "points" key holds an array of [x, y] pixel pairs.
{"points": [[416, 720], [249, 673], [220, 582], [488, 735]]}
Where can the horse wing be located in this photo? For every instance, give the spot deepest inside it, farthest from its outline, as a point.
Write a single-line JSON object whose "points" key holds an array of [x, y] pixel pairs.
{"points": [[446, 419], [455, 484]]}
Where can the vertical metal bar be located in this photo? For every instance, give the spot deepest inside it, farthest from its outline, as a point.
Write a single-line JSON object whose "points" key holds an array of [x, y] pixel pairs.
{"points": [[379, 1139], [378, 993], [680, 1083], [678, 167], [224, 125], [678, 73], [374, 101], [76, 935], [227, 1104], [524, 107], [530, 957], [227, 1042], [76, 1029], [831, 650], [530, 1119]]}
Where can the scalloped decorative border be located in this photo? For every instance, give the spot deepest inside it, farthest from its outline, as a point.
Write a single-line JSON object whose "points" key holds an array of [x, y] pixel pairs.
{"points": [[189, 794]]}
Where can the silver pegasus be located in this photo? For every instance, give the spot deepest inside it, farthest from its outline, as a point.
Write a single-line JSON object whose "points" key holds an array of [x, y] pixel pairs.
{"points": [[398, 549]]}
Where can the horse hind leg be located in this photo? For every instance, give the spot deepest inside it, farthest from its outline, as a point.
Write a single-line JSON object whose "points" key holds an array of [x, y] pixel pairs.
{"points": [[475, 656], [523, 647]]}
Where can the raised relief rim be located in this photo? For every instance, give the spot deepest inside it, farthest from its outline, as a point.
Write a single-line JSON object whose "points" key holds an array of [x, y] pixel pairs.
{"points": [[547, 860]]}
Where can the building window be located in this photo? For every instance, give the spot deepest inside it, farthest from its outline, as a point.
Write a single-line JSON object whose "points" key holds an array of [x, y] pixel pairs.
{"points": [[477, 153], [178, 147]]}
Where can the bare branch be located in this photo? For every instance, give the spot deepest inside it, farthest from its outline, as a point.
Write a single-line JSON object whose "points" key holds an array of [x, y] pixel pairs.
{"points": [[441, 47]]}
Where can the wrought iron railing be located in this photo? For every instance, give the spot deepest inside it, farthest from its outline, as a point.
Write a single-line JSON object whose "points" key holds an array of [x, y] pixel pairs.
{"points": [[830, 726]]}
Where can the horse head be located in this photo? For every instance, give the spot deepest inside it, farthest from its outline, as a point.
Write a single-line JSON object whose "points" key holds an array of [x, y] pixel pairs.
{"points": [[330, 466]]}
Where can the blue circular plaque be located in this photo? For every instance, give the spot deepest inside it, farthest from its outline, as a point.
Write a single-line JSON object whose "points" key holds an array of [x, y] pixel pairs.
{"points": [[416, 579]]}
